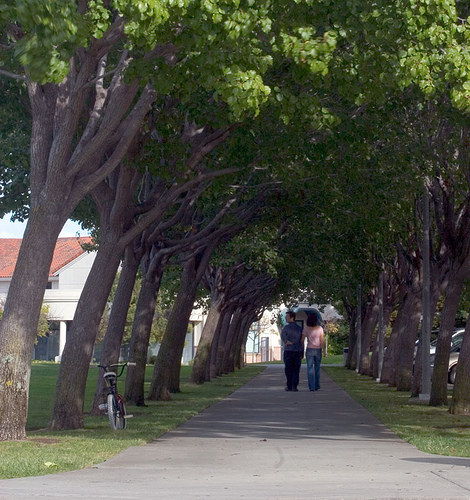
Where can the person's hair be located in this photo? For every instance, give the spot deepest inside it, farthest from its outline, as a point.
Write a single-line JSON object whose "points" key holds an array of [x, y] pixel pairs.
{"points": [[313, 320], [291, 314]]}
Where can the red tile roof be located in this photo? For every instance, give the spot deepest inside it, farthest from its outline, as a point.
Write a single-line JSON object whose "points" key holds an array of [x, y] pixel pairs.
{"points": [[66, 250]]}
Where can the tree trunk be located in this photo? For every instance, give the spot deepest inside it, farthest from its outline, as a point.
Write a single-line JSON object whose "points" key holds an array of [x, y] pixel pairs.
{"points": [[229, 358], [460, 404], [441, 358], [210, 365], [18, 328], [368, 325], [238, 344], [453, 224], [78, 351], [406, 342], [171, 348], [212, 368], [389, 365], [439, 285], [114, 200], [117, 321], [241, 341], [228, 286], [239, 347], [140, 338], [247, 319], [222, 344], [388, 309], [350, 358], [356, 341], [198, 373]]}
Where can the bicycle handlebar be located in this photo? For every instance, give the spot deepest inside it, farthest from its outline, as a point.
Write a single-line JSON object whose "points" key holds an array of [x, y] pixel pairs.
{"points": [[118, 365], [127, 363]]}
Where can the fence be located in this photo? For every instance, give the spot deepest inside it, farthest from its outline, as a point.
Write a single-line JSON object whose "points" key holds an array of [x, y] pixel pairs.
{"points": [[265, 355]]}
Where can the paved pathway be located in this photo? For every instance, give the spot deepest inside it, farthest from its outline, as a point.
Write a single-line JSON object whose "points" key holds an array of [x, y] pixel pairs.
{"points": [[264, 443]]}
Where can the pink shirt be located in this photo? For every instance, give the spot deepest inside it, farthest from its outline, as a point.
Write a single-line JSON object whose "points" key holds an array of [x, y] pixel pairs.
{"points": [[314, 335]]}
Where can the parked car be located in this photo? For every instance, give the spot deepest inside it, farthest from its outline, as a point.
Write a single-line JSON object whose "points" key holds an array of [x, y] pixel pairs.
{"points": [[453, 359], [457, 337]]}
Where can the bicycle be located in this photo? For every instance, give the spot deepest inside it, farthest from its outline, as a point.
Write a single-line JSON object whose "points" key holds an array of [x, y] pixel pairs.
{"points": [[114, 405]]}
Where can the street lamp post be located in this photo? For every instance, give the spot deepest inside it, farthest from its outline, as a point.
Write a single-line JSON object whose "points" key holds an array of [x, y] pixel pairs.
{"points": [[426, 325]]}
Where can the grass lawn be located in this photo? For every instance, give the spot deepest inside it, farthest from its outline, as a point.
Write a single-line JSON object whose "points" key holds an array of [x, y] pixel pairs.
{"points": [[46, 452], [332, 359], [430, 429]]}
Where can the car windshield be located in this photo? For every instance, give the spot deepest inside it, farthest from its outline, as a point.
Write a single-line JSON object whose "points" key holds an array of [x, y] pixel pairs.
{"points": [[456, 348], [456, 338]]}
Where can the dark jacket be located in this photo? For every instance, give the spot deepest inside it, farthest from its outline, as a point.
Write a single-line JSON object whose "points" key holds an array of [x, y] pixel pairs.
{"points": [[293, 333]]}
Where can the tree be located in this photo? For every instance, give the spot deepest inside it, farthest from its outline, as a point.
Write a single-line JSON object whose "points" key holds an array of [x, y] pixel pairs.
{"points": [[157, 194], [196, 245], [81, 65], [169, 355], [62, 169]]}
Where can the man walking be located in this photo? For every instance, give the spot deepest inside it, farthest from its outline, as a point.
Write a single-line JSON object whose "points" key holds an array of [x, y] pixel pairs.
{"points": [[291, 335]]}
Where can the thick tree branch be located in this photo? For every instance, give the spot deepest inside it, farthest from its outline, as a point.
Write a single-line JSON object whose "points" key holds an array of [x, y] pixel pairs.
{"points": [[14, 76], [96, 113], [209, 145], [100, 47], [173, 193], [123, 194], [134, 121], [43, 99]]}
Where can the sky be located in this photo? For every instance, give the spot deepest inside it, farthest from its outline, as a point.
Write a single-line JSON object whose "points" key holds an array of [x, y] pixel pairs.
{"points": [[15, 229]]}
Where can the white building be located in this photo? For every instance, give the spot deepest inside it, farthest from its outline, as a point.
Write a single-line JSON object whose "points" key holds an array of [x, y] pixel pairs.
{"points": [[69, 270]]}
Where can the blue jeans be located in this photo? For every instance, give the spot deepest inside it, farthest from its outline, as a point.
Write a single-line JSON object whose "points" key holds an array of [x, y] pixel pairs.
{"points": [[313, 357]]}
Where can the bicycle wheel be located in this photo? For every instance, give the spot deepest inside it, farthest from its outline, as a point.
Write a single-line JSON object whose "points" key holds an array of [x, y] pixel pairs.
{"points": [[113, 411], [121, 413]]}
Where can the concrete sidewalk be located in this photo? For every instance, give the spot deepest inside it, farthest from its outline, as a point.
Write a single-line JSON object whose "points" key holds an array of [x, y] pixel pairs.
{"points": [[264, 443]]}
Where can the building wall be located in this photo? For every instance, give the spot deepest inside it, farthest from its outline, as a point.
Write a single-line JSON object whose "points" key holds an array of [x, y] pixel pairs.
{"points": [[63, 297], [70, 280], [73, 276], [4, 285], [62, 303]]}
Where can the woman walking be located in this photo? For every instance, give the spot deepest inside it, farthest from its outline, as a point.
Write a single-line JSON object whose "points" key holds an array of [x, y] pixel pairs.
{"points": [[313, 332]]}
